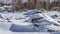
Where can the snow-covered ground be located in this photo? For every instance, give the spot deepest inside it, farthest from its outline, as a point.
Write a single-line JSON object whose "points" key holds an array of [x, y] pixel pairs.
{"points": [[9, 32], [14, 23]]}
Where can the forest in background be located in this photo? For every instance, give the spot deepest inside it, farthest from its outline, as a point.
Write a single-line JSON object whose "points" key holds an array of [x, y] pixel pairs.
{"points": [[18, 5]]}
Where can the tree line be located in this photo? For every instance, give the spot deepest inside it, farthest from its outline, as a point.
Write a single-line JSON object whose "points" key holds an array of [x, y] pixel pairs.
{"points": [[18, 6]]}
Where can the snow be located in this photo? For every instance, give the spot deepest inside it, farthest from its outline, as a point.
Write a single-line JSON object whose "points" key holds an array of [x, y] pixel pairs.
{"points": [[51, 19], [21, 22], [9, 32], [50, 13], [52, 27]]}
